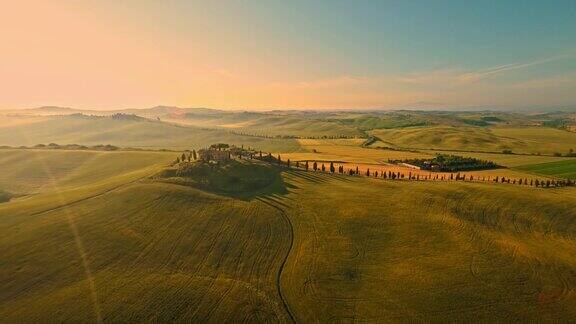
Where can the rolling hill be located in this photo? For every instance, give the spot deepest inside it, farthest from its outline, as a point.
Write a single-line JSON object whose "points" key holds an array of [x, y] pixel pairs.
{"points": [[128, 131], [530, 140], [326, 248]]}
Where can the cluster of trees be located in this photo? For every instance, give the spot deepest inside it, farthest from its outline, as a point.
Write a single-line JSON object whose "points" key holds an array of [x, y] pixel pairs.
{"points": [[187, 156], [570, 153], [340, 136], [449, 163], [99, 147]]}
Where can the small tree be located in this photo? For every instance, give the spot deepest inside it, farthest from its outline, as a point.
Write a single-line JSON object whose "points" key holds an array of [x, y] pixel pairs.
{"points": [[315, 166], [306, 166], [323, 167], [332, 169], [288, 163], [194, 155], [357, 170]]}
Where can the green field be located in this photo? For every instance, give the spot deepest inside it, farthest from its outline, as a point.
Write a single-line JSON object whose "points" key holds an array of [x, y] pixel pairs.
{"points": [[562, 169], [304, 247]]}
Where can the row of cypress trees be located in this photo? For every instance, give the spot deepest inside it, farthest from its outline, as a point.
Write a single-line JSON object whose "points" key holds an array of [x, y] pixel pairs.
{"points": [[314, 166]]}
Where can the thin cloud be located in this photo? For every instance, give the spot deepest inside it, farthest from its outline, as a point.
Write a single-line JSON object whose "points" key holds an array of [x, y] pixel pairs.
{"points": [[482, 74]]}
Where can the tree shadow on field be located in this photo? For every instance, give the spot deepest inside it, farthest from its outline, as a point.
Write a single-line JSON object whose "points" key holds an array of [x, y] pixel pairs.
{"points": [[239, 179], [319, 177], [273, 187]]}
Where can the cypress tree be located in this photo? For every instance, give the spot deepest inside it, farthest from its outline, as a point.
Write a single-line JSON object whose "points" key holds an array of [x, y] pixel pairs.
{"points": [[357, 170], [288, 163], [306, 165], [194, 155], [323, 167], [315, 166], [332, 169]]}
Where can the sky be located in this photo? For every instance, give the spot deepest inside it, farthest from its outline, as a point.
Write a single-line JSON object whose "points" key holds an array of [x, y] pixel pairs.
{"points": [[297, 54]]}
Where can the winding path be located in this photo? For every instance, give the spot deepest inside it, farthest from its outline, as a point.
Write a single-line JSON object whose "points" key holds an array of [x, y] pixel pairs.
{"points": [[282, 265]]}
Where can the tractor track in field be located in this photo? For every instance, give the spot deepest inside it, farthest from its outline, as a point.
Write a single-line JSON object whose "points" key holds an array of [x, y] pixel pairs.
{"points": [[283, 264], [109, 190]]}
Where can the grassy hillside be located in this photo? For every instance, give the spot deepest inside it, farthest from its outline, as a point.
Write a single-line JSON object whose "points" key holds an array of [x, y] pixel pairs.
{"points": [[531, 140], [131, 247], [270, 124], [156, 252], [430, 252], [128, 132], [33, 171]]}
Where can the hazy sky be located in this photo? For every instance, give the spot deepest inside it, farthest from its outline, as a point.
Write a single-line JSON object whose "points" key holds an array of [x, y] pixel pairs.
{"points": [[287, 54]]}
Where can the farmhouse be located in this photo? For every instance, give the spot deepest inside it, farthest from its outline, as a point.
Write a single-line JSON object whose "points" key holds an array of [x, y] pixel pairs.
{"points": [[213, 155], [411, 166]]}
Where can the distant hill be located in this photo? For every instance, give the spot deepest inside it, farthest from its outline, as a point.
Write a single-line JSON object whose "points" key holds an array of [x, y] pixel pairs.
{"points": [[128, 131]]}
